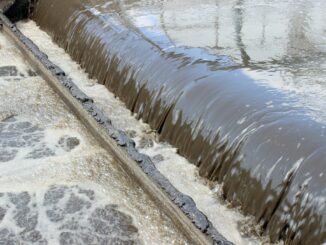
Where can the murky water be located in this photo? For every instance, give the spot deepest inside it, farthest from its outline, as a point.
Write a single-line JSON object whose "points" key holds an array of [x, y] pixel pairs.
{"points": [[57, 185], [248, 113]]}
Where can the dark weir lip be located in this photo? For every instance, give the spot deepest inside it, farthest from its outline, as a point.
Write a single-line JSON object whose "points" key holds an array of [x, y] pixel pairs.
{"points": [[269, 154]]}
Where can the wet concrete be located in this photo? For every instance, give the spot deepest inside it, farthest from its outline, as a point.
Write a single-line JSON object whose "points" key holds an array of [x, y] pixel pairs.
{"points": [[261, 142]]}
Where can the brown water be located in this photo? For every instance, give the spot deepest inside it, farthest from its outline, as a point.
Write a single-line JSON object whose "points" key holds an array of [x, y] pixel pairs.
{"points": [[281, 44], [246, 108]]}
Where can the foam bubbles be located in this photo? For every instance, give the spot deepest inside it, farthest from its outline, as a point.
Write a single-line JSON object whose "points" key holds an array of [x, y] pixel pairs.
{"points": [[65, 215]]}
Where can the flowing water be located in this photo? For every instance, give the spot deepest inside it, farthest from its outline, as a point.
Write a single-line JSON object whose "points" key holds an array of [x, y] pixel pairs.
{"points": [[57, 185], [238, 90], [280, 44], [265, 144]]}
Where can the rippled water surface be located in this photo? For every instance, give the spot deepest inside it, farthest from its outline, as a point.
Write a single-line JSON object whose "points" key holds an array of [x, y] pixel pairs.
{"points": [[280, 44]]}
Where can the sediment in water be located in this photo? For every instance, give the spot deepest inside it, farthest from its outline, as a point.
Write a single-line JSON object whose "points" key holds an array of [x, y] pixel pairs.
{"points": [[268, 153]]}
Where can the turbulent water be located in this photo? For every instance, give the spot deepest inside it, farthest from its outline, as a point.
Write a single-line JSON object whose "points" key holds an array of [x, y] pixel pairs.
{"points": [[57, 185], [246, 108]]}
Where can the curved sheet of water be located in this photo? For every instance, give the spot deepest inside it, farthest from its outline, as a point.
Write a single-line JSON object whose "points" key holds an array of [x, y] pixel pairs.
{"points": [[260, 142]]}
